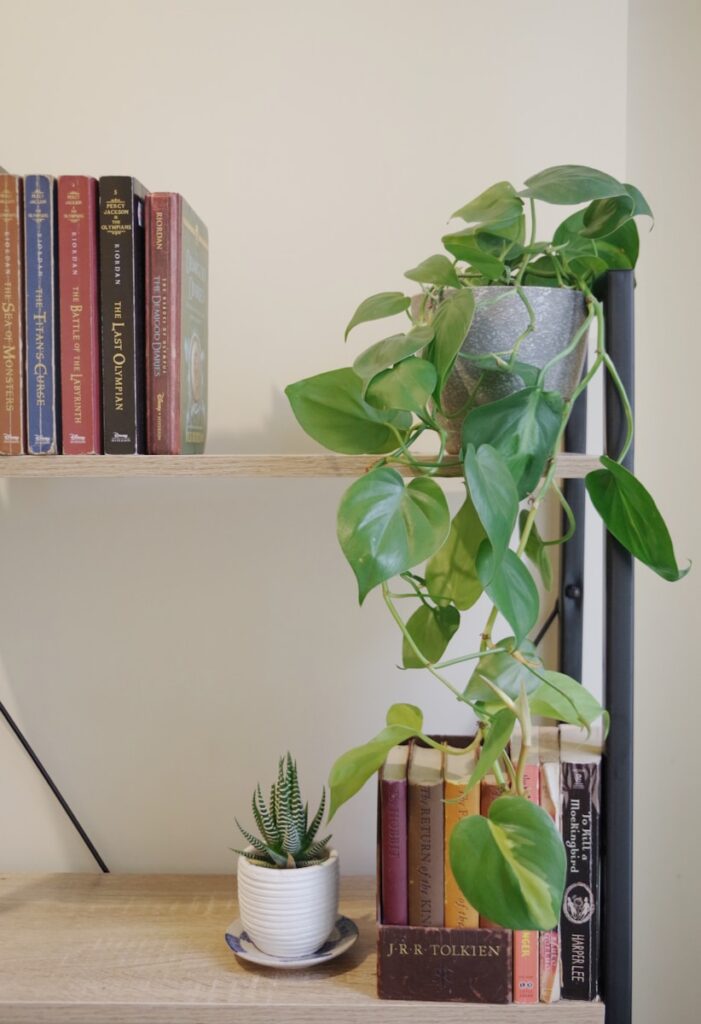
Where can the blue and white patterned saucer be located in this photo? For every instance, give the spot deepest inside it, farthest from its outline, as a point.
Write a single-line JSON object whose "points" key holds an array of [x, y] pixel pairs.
{"points": [[342, 937]]}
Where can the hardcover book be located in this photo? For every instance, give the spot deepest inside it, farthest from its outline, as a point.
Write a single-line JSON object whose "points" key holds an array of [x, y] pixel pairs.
{"points": [[81, 413], [12, 441], [41, 310], [551, 801], [425, 832], [446, 964], [458, 803], [393, 837], [177, 253], [121, 220], [580, 758], [526, 952]]}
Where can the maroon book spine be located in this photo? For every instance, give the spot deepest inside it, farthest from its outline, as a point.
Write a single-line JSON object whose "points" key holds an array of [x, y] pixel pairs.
{"points": [[79, 318], [12, 425], [393, 851], [163, 311]]}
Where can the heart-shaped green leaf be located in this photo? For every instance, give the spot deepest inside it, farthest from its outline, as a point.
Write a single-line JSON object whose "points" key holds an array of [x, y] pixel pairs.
{"points": [[463, 246], [331, 409], [511, 588], [385, 528], [505, 671], [497, 203], [633, 518], [511, 865], [537, 551], [604, 216], [438, 270], [563, 698], [431, 629], [498, 735], [618, 251], [391, 350], [523, 428], [497, 364], [408, 385], [351, 770], [451, 324], [451, 575], [641, 206], [570, 184], [376, 307], [494, 496]]}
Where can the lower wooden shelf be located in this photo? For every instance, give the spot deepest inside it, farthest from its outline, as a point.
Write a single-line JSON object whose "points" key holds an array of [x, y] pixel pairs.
{"points": [[88, 949]]}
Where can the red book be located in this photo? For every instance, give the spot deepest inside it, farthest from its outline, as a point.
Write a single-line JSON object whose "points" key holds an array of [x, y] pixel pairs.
{"points": [[12, 429], [79, 317], [393, 841], [176, 326]]}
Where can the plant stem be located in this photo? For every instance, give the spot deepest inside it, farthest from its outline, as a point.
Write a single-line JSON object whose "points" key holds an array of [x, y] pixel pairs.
{"points": [[578, 335], [410, 640], [471, 657]]}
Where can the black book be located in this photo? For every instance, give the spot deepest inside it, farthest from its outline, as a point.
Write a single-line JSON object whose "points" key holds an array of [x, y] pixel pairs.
{"points": [[579, 921], [122, 314]]}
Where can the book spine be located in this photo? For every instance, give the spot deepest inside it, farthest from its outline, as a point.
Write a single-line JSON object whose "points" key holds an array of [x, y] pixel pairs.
{"points": [[12, 436], [81, 414], [550, 800], [122, 315], [526, 942], [458, 913], [580, 909], [194, 258], [425, 854], [393, 851], [163, 322], [489, 792], [41, 305]]}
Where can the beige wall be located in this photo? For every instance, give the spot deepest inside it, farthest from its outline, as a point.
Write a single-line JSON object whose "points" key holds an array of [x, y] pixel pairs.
{"points": [[163, 641], [664, 156]]}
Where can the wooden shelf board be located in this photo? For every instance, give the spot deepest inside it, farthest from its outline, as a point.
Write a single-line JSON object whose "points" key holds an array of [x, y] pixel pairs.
{"points": [[115, 949], [569, 465]]}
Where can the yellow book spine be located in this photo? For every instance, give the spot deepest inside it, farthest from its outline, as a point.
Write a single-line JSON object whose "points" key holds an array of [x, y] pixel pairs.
{"points": [[458, 913]]}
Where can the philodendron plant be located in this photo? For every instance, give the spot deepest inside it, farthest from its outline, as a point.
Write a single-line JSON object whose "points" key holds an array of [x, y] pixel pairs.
{"points": [[511, 864]]}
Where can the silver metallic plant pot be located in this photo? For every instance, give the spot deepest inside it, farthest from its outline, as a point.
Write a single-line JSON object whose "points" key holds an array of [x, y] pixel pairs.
{"points": [[496, 325]]}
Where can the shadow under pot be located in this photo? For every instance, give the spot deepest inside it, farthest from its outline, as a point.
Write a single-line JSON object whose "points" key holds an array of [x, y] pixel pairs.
{"points": [[288, 912], [500, 318]]}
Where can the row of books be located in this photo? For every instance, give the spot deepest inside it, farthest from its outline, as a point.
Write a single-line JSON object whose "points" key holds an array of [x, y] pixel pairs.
{"points": [[423, 795], [103, 302]]}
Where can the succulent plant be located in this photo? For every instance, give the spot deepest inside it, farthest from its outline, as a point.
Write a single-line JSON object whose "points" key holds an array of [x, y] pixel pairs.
{"points": [[286, 837]]}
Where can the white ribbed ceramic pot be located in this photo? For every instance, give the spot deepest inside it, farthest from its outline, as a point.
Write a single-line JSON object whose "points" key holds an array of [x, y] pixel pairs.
{"points": [[288, 912]]}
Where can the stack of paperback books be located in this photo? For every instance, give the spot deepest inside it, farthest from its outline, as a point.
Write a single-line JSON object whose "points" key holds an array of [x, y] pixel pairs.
{"points": [[432, 944], [103, 303]]}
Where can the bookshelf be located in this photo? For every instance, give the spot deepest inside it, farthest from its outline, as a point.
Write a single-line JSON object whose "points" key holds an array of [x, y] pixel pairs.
{"points": [[150, 948], [121, 949], [570, 466]]}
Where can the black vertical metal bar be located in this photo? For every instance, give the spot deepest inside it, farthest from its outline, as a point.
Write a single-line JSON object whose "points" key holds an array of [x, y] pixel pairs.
{"points": [[53, 787], [572, 557], [617, 833]]}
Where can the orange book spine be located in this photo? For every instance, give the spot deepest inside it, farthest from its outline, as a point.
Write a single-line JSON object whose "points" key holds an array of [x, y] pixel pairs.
{"points": [[12, 426], [458, 804], [526, 953]]}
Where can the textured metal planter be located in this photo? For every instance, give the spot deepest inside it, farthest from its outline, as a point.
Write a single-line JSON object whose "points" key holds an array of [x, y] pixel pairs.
{"points": [[495, 328]]}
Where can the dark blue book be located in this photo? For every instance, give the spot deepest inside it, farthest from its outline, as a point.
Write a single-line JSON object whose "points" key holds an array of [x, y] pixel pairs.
{"points": [[41, 305]]}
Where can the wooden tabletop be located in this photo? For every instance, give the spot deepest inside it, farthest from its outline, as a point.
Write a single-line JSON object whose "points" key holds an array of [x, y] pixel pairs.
{"points": [[87, 949]]}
